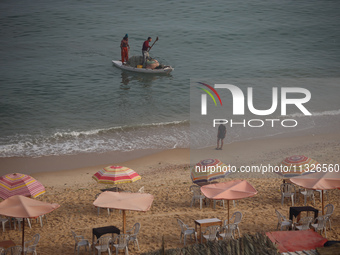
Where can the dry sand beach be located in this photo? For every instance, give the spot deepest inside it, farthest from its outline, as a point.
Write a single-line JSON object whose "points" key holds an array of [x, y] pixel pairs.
{"points": [[166, 175]]}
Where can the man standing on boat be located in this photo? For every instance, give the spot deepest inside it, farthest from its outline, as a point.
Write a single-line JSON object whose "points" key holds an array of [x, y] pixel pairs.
{"points": [[124, 46], [145, 50]]}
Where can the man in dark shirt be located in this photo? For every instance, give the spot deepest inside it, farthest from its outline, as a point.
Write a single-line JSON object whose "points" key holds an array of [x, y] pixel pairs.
{"points": [[221, 135], [145, 50]]}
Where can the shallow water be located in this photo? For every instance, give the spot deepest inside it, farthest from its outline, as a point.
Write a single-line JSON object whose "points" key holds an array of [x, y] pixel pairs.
{"points": [[61, 95]]}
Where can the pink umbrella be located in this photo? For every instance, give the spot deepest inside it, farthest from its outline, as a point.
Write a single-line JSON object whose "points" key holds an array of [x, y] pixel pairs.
{"points": [[20, 184], [124, 201], [232, 190], [319, 181], [24, 207]]}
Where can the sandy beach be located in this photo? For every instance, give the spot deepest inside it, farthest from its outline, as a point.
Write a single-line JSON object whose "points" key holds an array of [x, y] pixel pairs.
{"points": [[166, 175]]}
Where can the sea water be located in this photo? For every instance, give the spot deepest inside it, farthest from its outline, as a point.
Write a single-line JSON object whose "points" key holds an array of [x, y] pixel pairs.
{"points": [[60, 94]]}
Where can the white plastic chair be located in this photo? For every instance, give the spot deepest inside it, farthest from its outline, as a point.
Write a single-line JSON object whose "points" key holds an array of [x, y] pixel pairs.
{"points": [[79, 242], [210, 233], [196, 190], [103, 244], [320, 224], [3, 222], [141, 190], [308, 193], [133, 232], [122, 243], [98, 208], [237, 216], [15, 250], [329, 209], [304, 223], [287, 190], [227, 231], [31, 246], [186, 231], [282, 221]]}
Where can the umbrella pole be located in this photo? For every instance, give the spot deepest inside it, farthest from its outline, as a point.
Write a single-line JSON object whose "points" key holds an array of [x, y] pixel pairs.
{"points": [[124, 221], [323, 213], [228, 211], [23, 236]]}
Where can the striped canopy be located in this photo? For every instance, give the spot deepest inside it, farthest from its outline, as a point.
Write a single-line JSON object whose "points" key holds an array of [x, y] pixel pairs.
{"points": [[20, 184], [297, 165], [208, 170], [116, 175]]}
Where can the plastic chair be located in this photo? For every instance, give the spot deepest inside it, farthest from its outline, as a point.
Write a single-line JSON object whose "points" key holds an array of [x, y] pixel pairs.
{"points": [[19, 220], [122, 243], [308, 193], [14, 250], [287, 190], [3, 222], [210, 233], [141, 190], [324, 193], [30, 246], [79, 242], [186, 231], [282, 221], [196, 190], [237, 216], [320, 224], [103, 244], [304, 223], [227, 231], [98, 212], [329, 209], [133, 232]]}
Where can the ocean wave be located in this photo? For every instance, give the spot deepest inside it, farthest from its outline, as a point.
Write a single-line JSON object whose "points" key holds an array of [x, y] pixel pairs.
{"points": [[165, 135], [316, 114]]}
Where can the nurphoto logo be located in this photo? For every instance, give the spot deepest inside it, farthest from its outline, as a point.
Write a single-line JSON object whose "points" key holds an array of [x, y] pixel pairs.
{"points": [[289, 96]]}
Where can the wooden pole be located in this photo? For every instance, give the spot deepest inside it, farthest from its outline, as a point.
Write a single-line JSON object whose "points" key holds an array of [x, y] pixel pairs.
{"points": [[124, 221], [323, 213], [23, 236], [228, 211]]}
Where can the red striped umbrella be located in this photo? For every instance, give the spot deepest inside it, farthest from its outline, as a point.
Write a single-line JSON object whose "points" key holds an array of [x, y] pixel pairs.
{"points": [[20, 184], [208, 170], [297, 165], [116, 175]]}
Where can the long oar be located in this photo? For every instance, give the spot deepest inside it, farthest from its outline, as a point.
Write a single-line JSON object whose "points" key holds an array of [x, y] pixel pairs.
{"points": [[153, 43]]}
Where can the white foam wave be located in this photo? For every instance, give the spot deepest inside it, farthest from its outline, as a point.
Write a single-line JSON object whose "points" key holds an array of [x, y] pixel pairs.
{"points": [[324, 113]]}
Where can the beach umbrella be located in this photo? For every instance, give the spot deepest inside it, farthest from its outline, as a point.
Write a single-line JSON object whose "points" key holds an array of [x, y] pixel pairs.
{"points": [[116, 175], [23, 207], [231, 190], [20, 184], [319, 181], [208, 170], [124, 201], [297, 165]]}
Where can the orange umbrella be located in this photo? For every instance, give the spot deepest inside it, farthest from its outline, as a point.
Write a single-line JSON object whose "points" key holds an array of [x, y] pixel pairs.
{"points": [[232, 190], [124, 201], [319, 181], [24, 207]]}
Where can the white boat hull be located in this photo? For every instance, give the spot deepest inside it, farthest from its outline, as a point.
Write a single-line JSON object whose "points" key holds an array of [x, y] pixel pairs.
{"points": [[165, 70]]}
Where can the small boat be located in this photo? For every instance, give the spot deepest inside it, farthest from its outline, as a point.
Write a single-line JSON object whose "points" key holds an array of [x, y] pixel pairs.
{"points": [[163, 69]]}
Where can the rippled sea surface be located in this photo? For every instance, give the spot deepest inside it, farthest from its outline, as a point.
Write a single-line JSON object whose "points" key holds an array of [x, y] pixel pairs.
{"points": [[61, 95]]}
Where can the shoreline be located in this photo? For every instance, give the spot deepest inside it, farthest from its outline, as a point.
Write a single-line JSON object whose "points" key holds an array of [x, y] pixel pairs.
{"points": [[78, 169]]}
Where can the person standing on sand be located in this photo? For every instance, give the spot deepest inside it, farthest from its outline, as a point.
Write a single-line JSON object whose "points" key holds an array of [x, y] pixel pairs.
{"points": [[145, 50], [220, 136], [124, 46]]}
